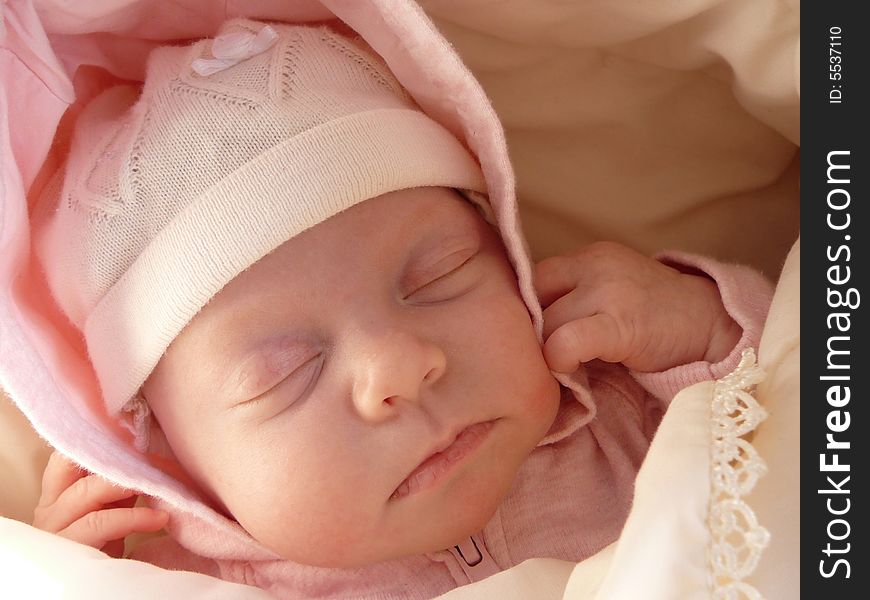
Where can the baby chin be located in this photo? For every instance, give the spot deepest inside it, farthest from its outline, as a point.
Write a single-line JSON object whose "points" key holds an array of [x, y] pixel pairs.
{"points": [[444, 512]]}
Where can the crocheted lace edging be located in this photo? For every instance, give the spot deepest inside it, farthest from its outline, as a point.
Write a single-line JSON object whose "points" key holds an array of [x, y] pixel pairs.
{"points": [[737, 539]]}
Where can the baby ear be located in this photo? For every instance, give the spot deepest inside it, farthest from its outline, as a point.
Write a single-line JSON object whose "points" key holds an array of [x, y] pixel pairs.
{"points": [[136, 418]]}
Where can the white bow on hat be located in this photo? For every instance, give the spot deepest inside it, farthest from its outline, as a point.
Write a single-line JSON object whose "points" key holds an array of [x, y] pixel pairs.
{"points": [[232, 48]]}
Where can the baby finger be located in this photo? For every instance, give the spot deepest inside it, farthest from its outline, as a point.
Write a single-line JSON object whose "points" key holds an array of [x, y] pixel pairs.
{"points": [[553, 278], [60, 473], [86, 495], [577, 304], [98, 528], [582, 340]]}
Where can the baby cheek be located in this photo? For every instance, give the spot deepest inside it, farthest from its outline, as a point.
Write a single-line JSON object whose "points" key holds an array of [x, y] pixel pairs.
{"points": [[505, 327], [518, 363], [317, 528], [312, 508]]}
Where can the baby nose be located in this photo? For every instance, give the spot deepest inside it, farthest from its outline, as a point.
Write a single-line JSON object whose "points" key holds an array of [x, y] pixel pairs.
{"points": [[396, 369]]}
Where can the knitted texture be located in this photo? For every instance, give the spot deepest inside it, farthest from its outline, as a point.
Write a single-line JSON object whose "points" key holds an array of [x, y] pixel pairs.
{"points": [[234, 145]]}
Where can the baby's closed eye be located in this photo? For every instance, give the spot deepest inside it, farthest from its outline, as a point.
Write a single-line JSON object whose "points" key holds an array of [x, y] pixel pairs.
{"points": [[269, 365], [284, 393], [436, 277]]}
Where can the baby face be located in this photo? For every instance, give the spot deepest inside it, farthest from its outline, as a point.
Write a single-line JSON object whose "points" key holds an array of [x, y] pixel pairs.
{"points": [[308, 397]]}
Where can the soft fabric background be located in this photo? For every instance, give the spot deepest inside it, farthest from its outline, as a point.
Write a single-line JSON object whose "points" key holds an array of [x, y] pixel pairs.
{"points": [[662, 124], [22, 458]]}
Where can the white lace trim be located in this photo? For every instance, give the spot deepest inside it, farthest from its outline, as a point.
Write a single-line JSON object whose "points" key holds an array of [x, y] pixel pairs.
{"points": [[737, 539]]}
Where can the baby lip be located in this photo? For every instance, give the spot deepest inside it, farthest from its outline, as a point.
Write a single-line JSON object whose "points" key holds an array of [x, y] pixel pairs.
{"points": [[444, 445], [441, 447], [453, 450]]}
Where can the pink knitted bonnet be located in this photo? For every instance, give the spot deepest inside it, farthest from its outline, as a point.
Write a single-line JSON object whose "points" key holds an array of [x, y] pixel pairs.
{"points": [[233, 146]]}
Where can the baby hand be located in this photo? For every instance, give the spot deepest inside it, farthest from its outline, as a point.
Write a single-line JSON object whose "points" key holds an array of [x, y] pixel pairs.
{"points": [[90, 510], [609, 302]]}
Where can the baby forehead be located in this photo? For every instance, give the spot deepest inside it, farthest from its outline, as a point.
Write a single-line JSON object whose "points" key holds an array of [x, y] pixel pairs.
{"points": [[394, 222], [448, 222], [350, 242], [414, 210]]}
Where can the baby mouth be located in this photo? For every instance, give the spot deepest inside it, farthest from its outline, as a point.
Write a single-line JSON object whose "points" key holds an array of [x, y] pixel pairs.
{"points": [[439, 464]]}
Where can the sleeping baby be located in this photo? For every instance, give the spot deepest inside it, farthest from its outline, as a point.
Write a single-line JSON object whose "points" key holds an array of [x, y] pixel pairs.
{"points": [[297, 296]]}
